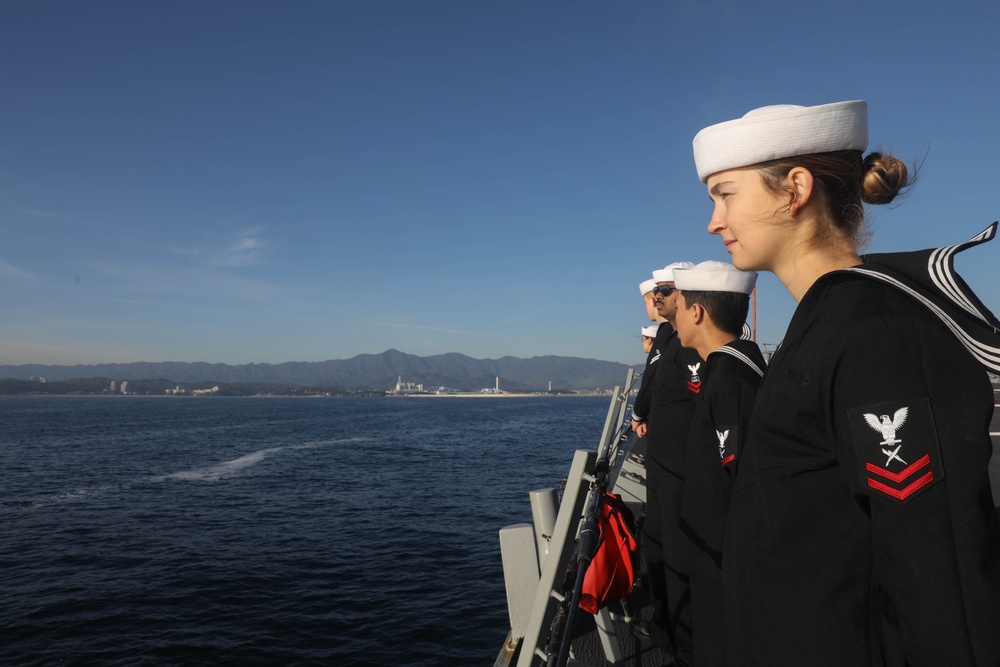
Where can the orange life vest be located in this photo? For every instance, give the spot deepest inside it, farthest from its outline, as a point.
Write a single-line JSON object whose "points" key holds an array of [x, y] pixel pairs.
{"points": [[611, 574]]}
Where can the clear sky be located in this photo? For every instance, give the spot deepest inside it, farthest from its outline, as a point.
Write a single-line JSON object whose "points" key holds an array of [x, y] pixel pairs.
{"points": [[262, 182]]}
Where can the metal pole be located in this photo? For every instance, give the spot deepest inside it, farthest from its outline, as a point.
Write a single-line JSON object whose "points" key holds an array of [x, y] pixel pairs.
{"points": [[590, 538]]}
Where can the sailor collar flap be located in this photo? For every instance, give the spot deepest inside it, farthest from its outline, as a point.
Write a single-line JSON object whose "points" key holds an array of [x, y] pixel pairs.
{"points": [[733, 352], [929, 277]]}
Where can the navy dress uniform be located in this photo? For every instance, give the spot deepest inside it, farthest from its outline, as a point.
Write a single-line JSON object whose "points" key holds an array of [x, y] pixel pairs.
{"points": [[674, 383], [722, 414], [640, 406], [861, 528]]}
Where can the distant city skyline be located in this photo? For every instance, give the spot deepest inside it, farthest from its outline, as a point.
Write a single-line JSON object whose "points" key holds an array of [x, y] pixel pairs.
{"points": [[270, 182]]}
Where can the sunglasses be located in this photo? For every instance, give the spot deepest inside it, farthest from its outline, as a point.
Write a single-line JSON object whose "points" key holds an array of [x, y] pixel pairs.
{"points": [[663, 290]]}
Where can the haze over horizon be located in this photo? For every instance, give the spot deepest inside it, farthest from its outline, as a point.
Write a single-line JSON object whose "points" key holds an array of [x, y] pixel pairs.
{"points": [[637, 364], [264, 182]]}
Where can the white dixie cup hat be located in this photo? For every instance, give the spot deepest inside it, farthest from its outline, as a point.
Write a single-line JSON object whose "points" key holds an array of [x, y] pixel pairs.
{"points": [[713, 276], [780, 131], [666, 274]]}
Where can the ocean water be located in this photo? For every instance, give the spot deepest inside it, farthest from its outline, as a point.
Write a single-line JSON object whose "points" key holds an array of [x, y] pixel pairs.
{"points": [[268, 531]]}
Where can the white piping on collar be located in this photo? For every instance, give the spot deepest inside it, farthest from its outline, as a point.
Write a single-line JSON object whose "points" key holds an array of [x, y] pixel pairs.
{"points": [[742, 357], [988, 355], [938, 266]]}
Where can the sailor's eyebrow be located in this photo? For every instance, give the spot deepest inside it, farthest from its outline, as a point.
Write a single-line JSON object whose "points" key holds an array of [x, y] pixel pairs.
{"points": [[718, 187]]}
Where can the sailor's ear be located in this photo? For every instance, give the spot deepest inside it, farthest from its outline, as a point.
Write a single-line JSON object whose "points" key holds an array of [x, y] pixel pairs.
{"points": [[800, 184], [698, 312]]}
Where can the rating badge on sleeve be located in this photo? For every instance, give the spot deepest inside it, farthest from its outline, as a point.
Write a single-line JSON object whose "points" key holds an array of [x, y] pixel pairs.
{"points": [[896, 447], [694, 380]]}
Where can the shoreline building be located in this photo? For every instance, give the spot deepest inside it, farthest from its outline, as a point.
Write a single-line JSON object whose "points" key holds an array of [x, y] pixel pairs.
{"points": [[406, 387]]}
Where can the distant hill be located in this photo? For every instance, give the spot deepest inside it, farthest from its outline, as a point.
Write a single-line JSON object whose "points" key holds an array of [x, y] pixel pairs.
{"points": [[365, 372]]}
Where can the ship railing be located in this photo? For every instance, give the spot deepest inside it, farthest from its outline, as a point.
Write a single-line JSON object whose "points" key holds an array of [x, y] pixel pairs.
{"points": [[538, 557]]}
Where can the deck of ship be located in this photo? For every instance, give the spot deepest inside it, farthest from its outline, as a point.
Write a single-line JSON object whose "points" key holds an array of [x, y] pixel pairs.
{"points": [[586, 646], [587, 649]]}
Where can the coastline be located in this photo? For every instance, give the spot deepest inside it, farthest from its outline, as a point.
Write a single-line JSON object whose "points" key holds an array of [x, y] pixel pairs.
{"points": [[502, 395]]}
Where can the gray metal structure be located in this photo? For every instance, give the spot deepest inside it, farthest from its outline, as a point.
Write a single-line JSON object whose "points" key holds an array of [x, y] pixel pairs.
{"points": [[535, 557]]}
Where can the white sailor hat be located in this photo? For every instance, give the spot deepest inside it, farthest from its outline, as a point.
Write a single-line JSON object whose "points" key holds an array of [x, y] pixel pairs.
{"points": [[712, 276], [666, 274], [779, 131], [646, 286], [650, 332]]}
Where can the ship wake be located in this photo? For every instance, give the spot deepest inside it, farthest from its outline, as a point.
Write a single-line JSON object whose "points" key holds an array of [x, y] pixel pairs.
{"points": [[227, 469]]}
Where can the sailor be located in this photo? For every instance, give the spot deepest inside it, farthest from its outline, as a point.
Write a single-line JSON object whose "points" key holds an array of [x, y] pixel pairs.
{"points": [[668, 422], [644, 395], [861, 529], [712, 308], [648, 338]]}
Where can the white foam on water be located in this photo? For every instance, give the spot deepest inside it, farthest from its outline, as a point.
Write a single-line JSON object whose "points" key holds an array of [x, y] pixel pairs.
{"points": [[213, 473], [222, 470], [228, 469]]}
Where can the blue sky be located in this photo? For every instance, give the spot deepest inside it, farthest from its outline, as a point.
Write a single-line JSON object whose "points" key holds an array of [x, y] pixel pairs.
{"points": [[263, 182]]}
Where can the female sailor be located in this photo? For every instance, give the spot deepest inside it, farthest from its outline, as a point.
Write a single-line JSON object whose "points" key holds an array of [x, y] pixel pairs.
{"points": [[862, 529]]}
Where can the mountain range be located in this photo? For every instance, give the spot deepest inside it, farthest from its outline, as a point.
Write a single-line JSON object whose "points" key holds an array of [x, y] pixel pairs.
{"points": [[365, 372]]}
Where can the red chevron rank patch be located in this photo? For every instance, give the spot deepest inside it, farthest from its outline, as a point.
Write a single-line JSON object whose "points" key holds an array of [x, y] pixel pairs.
{"points": [[729, 438], [694, 381], [903, 477], [896, 448]]}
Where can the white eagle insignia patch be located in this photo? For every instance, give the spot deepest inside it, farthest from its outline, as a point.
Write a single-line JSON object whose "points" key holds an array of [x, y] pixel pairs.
{"points": [[888, 427]]}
